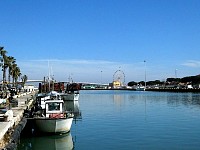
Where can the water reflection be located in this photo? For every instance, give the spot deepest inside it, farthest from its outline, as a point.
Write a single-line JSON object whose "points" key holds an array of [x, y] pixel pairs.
{"points": [[118, 99], [150, 120], [173, 99], [54, 142], [189, 99]]}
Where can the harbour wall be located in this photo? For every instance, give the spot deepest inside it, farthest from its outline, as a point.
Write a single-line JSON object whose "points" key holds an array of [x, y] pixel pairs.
{"points": [[11, 126]]}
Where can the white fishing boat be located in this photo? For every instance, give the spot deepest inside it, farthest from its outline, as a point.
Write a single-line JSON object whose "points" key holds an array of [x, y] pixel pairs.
{"points": [[71, 93], [41, 98], [52, 119]]}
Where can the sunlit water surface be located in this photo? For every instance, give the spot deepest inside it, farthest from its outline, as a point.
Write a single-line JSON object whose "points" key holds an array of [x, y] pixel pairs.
{"points": [[128, 120]]}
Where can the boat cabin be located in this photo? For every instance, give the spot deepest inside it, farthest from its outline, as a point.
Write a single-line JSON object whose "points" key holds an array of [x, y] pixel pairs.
{"points": [[54, 108]]}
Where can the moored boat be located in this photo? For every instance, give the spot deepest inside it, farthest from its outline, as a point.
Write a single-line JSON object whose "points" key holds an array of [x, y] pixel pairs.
{"points": [[71, 93], [73, 107], [140, 88], [52, 119], [53, 125], [70, 96]]}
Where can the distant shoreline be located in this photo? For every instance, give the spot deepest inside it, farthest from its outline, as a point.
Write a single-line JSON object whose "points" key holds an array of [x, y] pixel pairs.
{"points": [[156, 90], [175, 90]]}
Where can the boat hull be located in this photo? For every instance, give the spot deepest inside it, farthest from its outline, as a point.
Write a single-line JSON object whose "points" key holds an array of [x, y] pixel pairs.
{"points": [[70, 97], [53, 125]]}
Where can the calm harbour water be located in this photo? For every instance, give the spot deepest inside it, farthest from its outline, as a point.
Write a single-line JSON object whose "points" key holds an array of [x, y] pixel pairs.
{"points": [[128, 120]]}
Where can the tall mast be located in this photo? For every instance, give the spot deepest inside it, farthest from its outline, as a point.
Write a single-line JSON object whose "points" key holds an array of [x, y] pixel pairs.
{"points": [[49, 76]]}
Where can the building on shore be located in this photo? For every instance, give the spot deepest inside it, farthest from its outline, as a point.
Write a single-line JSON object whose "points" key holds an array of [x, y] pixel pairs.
{"points": [[29, 88]]}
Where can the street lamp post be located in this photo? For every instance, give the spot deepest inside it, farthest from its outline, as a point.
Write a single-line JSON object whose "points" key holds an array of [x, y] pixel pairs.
{"points": [[176, 73], [101, 77], [145, 74]]}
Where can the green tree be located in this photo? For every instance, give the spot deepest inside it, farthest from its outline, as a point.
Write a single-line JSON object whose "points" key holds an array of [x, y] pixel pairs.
{"points": [[11, 62], [24, 79], [1, 58], [15, 73], [132, 83], [4, 62]]}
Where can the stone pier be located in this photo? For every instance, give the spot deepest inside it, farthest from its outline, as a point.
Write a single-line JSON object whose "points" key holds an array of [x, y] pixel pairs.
{"points": [[12, 117]]}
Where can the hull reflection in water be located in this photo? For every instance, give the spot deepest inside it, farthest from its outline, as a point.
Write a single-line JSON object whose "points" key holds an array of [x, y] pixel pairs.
{"points": [[54, 142]]}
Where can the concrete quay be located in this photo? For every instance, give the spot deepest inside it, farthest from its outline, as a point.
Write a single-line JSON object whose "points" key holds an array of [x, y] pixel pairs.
{"points": [[14, 116]]}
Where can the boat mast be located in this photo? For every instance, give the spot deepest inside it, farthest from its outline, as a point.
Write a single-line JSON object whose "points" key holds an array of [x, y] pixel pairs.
{"points": [[49, 76]]}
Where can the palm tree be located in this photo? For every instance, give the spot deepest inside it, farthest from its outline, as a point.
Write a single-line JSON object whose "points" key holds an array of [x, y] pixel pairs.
{"points": [[24, 79], [1, 49], [15, 73], [11, 62], [4, 62], [1, 59]]}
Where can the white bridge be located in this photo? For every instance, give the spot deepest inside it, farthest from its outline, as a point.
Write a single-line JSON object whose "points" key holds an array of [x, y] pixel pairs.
{"points": [[83, 83]]}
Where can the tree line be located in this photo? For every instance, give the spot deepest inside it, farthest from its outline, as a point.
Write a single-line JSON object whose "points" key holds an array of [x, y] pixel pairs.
{"points": [[194, 80], [189, 79], [10, 69]]}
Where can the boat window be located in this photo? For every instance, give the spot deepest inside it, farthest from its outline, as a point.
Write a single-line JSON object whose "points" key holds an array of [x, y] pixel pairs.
{"points": [[54, 106]]}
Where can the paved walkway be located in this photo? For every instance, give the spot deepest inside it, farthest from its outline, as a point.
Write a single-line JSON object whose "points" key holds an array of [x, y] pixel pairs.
{"points": [[16, 113]]}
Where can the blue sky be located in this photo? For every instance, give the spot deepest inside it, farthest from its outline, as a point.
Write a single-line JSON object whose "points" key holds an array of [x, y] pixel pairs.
{"points": [[90, 39]]}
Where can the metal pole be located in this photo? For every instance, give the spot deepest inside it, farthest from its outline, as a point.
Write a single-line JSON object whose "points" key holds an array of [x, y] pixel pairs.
{"points": [[175, 73], [101, 77], [145, 74]]}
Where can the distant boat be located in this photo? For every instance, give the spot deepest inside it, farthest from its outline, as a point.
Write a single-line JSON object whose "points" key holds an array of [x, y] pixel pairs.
{"points": [[140, 88]]}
